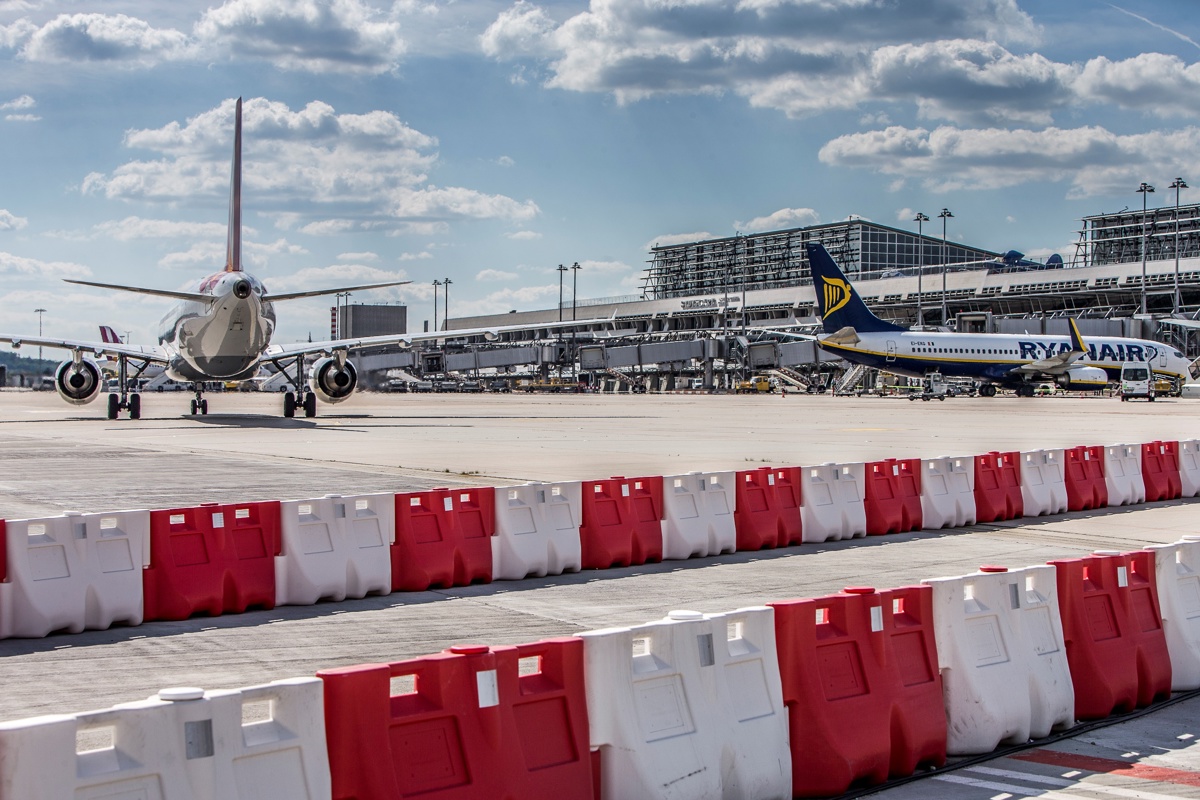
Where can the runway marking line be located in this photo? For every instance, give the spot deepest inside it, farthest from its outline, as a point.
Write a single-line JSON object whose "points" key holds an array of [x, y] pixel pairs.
{"points": [[1110, 766]]}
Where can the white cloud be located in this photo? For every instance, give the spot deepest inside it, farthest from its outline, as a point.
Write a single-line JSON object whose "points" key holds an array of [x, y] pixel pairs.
{"points": [[19, 104], [131, 228], [668, 239], [523, 29], [211, 255], [1161, 84], [311, 278], [783, 218], [506, 161], [14, 265], [371, 170], [523, 236], [304, 35], [495, 275], [359, 257], [518, 298], [92, 38], [10, 221], [424, 255], [1092, 159], [604, 267], [22, 118]]}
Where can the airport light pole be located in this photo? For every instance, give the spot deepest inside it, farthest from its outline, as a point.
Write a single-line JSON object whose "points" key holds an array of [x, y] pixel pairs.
{"points": [[945, 215], [39, 312], [436, 284], [1144, 190], [446, 302], [1177, 185], [561, 271], [920, 219]]}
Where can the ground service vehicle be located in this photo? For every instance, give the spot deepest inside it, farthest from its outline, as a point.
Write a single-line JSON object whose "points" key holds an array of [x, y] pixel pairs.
{"points": [[1135, 381]]}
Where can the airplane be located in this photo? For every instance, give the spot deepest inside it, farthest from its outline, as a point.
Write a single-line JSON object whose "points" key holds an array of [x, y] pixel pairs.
{"points": [[221, 331], [1015, 361]]}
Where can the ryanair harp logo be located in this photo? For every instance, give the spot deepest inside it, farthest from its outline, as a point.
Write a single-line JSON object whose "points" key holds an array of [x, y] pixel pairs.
{"points": [[837, 294]]}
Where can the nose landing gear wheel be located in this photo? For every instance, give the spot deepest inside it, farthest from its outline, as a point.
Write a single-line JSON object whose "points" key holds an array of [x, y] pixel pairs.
{"points": [[310, 405], [289, 405]]}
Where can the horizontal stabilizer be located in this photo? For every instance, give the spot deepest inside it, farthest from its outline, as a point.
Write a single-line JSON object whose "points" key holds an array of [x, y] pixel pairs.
{"points": [[197, 296], [275, 298]]}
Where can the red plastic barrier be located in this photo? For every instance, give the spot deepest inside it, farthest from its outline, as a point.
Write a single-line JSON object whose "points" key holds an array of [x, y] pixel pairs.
{"points": [[1160, 471], [1112, 625], [622, 522], [893, 496], [862, 687], [767, 512], [443, 539], [211, 559], [1085, 479], [998, 487], [469, 723]]}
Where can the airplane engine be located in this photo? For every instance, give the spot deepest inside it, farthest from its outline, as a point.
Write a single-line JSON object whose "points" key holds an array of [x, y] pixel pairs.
{"points": [[1083, 379], [78, 383], [332, 383]]}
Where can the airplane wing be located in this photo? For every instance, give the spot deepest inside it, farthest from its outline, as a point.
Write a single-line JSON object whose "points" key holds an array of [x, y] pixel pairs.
{"points": [[276, 298], [405, 339], [196, 296], [100, 349]]}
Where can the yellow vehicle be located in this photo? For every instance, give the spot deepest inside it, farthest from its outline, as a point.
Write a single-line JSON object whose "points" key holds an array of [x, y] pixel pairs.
{"points": [[1163, 388], [759, 384]]}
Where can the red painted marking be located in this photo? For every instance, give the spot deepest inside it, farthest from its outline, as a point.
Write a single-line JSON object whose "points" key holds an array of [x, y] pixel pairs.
{"points": [[1111, 766]]}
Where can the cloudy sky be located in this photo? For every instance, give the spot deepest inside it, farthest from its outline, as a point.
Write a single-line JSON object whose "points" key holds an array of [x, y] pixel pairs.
{"points": [[489, 141]]}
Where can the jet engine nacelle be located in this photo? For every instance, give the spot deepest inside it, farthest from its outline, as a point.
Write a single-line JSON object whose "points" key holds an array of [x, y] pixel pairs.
{"points": [[78, 383], [1083, 378], [332, 383]]}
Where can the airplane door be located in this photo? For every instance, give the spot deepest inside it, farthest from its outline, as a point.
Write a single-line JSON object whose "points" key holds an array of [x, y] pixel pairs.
{"points": [[1162, 357], [891, 351]]}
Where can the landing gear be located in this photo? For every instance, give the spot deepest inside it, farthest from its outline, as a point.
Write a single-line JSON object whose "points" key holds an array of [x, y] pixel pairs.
{"points": [[199, 404], [126, 400], [310, 404], [1025, 390], [987, 390], [289, 405]]}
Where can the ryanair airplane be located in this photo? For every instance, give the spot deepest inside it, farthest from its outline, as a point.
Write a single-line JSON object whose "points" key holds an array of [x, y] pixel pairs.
{"points": [[1014, 361]]}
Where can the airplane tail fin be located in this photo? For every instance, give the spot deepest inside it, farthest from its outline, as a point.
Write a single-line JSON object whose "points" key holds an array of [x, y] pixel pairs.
{"points": [[1077, 343], [108, 335], [233, 247], [838, 302]]}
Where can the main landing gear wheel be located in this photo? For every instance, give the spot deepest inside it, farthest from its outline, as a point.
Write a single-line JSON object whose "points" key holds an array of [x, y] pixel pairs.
{"points": [[114, 406], [987, 390], [135, 406], [289, 405], [1025, 390], [310, 404]]}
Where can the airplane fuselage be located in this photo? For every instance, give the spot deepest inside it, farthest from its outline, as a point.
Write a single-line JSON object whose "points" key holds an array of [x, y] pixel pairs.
{"points": [[996, 357], [219, 339]]}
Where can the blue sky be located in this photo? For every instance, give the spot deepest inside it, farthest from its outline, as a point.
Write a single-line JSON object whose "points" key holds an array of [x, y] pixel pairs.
{"points": [[489, 141]]}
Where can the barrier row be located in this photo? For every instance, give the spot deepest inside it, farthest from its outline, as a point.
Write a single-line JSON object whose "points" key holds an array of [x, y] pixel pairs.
{"points": [[797, 698], [90, 571]]}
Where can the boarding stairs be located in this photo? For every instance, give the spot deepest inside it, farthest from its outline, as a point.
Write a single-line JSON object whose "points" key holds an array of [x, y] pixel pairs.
{"points": [[631, 382], [850, 379], [792, 377]]}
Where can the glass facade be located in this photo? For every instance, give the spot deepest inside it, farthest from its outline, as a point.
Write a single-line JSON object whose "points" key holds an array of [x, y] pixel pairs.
{"points": [[778, 258]]}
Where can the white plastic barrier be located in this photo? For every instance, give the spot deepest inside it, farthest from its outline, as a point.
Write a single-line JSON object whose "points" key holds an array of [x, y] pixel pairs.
{"points": [[947, 492], [1043, 482], [335, 547], [1123, 475], [698, 515], [1004, 668], [537, 530], [689, 707], [74, 572], [1189, 466], [831, 504], [1177, 573], [261, 743]]}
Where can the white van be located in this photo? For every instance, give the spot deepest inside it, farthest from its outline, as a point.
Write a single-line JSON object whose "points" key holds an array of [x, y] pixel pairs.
{"points": [[1136, 381]]}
